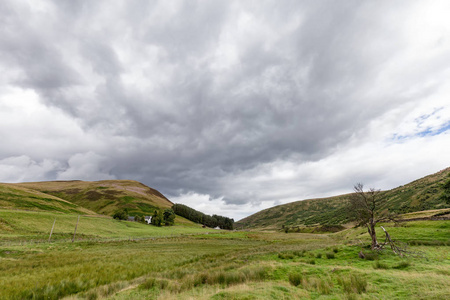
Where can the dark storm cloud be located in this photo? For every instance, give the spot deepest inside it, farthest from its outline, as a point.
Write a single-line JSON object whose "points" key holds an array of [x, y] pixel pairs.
{"points": [[186, 95]]}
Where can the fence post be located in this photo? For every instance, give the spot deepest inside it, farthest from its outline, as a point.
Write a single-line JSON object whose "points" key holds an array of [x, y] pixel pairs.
{"points": [[49, 238], [73, 239]]}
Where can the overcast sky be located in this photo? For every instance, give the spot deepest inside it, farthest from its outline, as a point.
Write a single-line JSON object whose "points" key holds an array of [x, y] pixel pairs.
{"points": [[227, 106]]}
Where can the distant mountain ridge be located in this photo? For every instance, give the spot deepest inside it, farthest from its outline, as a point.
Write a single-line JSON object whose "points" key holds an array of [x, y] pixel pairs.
{"points": [[419, 195], [87, 197]]}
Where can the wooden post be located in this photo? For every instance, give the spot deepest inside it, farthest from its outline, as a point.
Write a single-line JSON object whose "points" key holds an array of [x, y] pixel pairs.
{"points": [[73, 239], [50, 237]]}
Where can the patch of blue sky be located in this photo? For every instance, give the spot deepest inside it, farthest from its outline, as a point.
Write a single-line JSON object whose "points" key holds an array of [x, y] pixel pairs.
{"points": [[421, 120], [424, 133], [443, 129]]}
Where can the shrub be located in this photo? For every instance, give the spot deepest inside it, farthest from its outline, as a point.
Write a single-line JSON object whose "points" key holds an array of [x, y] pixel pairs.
{"points": [[335, 250], [157, 218], [319, 255], [121, 214], [330, 255], [169, 217], [311, 262]]}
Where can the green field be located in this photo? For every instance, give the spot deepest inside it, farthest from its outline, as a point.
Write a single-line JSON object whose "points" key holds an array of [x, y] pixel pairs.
{"points": [[125, 260]]}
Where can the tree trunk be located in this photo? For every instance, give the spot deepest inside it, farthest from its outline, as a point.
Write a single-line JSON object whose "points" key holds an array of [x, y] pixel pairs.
{"points": [[373, 235]]}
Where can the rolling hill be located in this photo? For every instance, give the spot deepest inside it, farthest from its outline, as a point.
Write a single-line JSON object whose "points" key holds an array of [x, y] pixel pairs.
{"points": [[13, 196], [419, 195], [102, 197], [28, 210]]}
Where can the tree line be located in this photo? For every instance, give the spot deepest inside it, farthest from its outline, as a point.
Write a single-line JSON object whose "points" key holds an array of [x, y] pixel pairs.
{"points": [[166, 217], [159, 217], [201, 218]]}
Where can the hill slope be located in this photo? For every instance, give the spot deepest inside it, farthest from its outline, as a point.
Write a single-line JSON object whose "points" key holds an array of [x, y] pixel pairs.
{"points": [[102, 197], [13, 196], [419, 195]]}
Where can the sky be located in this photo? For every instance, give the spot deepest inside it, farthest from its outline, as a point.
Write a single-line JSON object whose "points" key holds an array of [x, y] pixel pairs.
{"points": [[229, 107]]}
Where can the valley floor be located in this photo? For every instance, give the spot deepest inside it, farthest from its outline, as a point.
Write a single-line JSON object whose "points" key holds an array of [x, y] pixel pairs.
{"points": [[193, 263]]}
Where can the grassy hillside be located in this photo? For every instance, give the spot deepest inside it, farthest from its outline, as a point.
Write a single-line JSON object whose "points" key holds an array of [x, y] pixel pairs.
{"points": [[419, 195], [104, 197], [17, 197], [36, 225]]}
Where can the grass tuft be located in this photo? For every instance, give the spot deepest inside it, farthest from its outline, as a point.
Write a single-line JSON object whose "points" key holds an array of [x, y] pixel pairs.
{"points": [[295, 279], [402, 265], [323, 285], [353, 284], [286, 255], [380, 265], [371, 256]]}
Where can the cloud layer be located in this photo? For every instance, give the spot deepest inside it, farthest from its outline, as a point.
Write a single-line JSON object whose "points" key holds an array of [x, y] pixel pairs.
{"points": [[227, 106]]}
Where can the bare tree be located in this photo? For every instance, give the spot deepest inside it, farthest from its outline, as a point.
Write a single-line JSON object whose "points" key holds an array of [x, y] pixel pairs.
{"points": [[367, 209]]}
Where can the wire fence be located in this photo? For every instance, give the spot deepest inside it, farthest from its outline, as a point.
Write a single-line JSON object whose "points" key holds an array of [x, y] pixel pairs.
{"points": [[25, 242]]}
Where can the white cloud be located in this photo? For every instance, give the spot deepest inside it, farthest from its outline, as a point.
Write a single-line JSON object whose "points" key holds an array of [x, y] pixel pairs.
{"points": [[23, 168], [87, 166], [217, 206], [28, 127]]}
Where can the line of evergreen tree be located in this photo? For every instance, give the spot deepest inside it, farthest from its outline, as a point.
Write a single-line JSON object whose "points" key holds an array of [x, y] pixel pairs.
{"points": [[201, 218]]}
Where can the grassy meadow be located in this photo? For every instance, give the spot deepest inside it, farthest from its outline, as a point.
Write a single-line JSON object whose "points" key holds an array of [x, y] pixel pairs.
{"points": [[113, 259]]}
